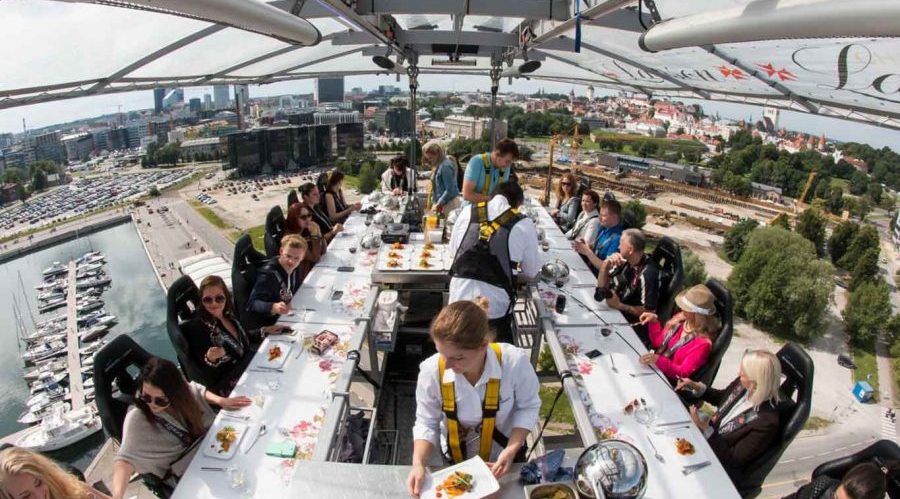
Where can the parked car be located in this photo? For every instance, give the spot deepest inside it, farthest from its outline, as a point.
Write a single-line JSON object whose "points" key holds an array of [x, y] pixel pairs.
{"points": [[844, 360]]}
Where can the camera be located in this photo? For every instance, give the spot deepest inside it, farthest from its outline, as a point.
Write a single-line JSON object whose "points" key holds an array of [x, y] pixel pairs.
{"points": [[601, 294]]}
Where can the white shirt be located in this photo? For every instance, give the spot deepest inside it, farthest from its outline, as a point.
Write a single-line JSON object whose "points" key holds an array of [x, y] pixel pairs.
{"points": [[523, 248], [519, 400], [386, 179], [586, 229]]}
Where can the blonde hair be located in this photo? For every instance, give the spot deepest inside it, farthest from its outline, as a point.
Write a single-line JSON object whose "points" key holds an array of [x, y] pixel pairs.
{"points": [[294, 241], [709, 325], [464, 324], [763, 369], [559, 188], [432, 146], [61, 485]]}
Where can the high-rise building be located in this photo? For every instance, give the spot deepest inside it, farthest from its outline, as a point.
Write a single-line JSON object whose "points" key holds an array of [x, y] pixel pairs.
{"points": [[173, 96], [207, 102], [78, 146], [101, 138], [329, 90], [221, 97], [118, 139], [397, 121], [6, 140], [242, 103], [195, 105], [47, 147], [158, 95]]}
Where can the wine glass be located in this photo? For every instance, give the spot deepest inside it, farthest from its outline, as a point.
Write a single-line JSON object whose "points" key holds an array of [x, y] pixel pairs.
{"points": [[273, 382], [645, 414]]}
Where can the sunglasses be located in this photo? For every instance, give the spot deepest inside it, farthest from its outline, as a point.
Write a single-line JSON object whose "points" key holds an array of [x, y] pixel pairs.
{"points": [[157, 401], [305, 217], [566, 183], [214, 299]]}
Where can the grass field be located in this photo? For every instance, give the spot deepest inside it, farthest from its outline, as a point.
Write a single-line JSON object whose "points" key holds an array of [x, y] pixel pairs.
{"points": [[208, 214], [562, 414], [866, 367]]}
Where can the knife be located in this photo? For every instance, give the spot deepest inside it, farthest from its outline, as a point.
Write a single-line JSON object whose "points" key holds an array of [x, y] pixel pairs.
{"points": [[687, 470], [673, 423], [261, 432]]}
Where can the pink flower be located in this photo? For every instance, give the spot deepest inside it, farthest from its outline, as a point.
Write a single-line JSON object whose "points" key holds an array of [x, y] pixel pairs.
{"points": [[326, 365], [585, 368]]}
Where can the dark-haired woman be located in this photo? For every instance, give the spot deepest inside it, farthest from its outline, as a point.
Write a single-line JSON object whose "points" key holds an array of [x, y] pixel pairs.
{"points": [[337, 208], [162, 429], [467, 368], [300, 221], [863, 481], [217, 341]]}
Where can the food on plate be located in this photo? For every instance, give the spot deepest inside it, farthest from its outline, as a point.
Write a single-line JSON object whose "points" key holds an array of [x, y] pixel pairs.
{"points": [[274, 352], [684, 447], [456, 484], [393, 263], [397, 245], [226, 436], [393, 254], [426, 253], [429, 245], [423, 263]]}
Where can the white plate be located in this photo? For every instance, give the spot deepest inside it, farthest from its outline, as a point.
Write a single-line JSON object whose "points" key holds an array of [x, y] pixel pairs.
{"points": [[213, 448], [434, 264], [263, 353], [666, 445], [382, 263], [484, 482]]}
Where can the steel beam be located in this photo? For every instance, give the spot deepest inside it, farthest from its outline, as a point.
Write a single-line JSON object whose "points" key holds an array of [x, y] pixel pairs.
{"points": [[342, 10], [756, 73], [607, 79], [312, 62], [529, 9], [547, 30]]}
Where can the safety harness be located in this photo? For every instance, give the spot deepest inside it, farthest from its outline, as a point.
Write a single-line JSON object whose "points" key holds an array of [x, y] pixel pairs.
{"points": [[489, 409]]}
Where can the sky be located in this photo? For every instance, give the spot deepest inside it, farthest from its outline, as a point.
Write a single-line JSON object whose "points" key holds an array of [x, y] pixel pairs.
{"points": [[50, 113]]}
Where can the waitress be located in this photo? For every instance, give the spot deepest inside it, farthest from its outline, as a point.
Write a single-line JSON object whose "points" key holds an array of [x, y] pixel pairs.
{"points": [[445, 196], [473, 397]]}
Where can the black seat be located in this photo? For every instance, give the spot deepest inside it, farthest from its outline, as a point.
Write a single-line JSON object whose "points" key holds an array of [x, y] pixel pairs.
{"points": [[796, 391], [274, 230], [117, 367], [292, 198], [724, 307], [182, 301], [667, 256], [247, 261], [880, 453]]}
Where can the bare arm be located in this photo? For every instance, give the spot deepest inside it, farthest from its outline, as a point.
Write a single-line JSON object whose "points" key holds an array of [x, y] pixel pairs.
{"points": [[122, 472], [469, 193], [333, 214]]}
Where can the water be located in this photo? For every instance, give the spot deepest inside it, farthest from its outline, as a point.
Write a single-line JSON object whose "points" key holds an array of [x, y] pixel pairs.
{"points": [[135, 298]]}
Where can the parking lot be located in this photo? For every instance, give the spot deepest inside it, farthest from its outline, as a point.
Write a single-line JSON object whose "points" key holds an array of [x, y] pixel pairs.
{"points": [[83, 196]]}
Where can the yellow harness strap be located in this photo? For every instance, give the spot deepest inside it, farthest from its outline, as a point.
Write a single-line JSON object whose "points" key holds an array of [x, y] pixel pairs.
{"points": [[489, 409], [488, 228], [486, 188]]}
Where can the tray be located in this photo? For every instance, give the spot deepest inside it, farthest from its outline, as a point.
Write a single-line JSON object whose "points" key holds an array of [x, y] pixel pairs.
{"points": [[484, 481], [264, 353], [213, 448]]}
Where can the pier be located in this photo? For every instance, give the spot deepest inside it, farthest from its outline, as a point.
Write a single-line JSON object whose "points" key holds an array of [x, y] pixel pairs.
{"points": [[76, 386]]}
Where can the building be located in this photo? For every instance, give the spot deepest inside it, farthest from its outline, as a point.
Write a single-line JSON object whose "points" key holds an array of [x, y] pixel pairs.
{"points": [[117, 139], [158, 95], [766, 192], [269, 150], [195, 105], [348, 136], [221, 97], [329, 90], [335, 117], [202, 149], [47, 147], [136, 131], [469, 127], [397, 120], [6, 141], [173, 97], [78, 146], [8, 193], [207, 102], [663, 170]]}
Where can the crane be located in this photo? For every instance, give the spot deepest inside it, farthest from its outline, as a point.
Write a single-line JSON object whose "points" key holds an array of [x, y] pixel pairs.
{"points": [[801, 200], [554, 140]]}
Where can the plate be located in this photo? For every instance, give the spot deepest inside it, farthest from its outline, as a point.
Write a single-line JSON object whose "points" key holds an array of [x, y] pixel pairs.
{"points": [[382, 263], [666, 445], [273, 353], [213, 448], [484, 482], [433, 264]]}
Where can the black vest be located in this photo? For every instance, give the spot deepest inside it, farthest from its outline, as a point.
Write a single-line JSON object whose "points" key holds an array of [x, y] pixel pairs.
{"points": [[483, 254]]}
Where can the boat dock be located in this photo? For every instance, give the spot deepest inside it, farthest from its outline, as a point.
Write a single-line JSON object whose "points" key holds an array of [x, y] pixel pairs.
{"points": [[76, 386]]}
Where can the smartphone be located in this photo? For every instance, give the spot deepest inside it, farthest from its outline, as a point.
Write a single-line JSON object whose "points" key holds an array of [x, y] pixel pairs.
{"points": [[336, 295], [593, 354], [345, 269]]}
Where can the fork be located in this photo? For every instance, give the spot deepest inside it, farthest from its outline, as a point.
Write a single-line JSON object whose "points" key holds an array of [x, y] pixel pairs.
{"points": [[658, 455], [612, 363]]}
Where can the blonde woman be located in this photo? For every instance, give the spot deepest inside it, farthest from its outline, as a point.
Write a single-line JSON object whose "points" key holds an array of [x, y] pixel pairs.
{"points": [[466, 368], [25, 474], [568, 205], [746, 420], [682, 346], [445, 196]]}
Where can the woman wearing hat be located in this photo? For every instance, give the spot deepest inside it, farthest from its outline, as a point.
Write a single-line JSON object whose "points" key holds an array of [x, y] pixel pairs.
{"points": [[682, 345]]}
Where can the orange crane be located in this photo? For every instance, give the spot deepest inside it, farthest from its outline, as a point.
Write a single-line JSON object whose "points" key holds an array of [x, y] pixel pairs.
{"points": [[801, 200]]}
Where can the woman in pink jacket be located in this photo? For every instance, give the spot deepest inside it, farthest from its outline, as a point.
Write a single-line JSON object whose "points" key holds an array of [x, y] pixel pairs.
{"points": [[682, 345]]}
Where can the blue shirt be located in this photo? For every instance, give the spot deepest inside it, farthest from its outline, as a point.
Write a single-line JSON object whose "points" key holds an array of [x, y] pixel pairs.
{"points": [[443, 183], [608, 241], [475, 172]]}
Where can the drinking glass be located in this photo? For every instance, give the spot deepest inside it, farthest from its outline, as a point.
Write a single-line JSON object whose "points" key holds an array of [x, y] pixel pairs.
{"points": [[273, 382], [645, 415]]}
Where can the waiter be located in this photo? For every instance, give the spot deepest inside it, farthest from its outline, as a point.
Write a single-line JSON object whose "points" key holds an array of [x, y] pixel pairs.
{"points": [[398, 178], [485, 172], [489, 240], [473, 397]]}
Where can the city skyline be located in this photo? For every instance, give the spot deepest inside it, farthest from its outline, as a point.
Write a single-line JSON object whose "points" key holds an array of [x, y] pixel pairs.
{"points": [[64, 111]]}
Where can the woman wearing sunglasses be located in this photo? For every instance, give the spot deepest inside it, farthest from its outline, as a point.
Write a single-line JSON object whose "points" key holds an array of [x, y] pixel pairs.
{"points": [[163, 427], [217, 341], [300, 221], [568, 205]]}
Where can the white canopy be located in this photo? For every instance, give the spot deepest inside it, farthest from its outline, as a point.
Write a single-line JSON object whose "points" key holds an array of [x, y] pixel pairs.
{"points": [[57, 50]]}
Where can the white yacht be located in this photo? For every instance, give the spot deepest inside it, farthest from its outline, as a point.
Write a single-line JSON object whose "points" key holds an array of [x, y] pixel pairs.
{"points": [[60, 429]]}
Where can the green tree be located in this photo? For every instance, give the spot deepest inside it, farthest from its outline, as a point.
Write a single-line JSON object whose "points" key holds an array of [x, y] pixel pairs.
{"points": [[835, 200], [811, 225], [694, 269], [864, 240], [781, 220], [370, 175], [39, 181], [840, 240], [634, 213], [866, 268], [780, 286], [868, 310], [736, 238]]}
